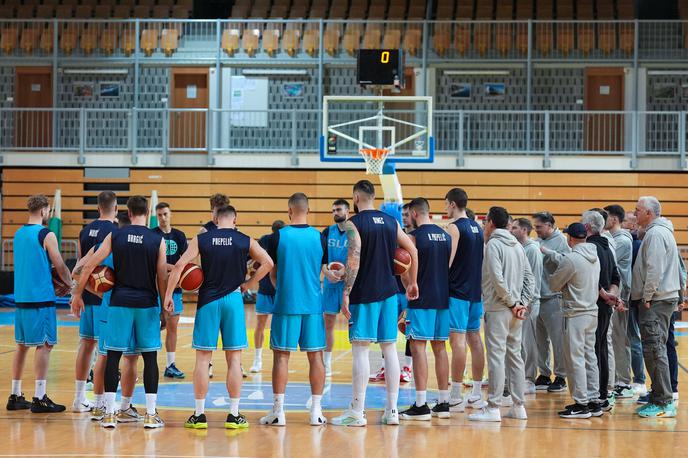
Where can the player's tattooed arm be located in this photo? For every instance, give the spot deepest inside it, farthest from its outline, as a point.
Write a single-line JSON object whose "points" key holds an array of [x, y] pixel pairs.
{"points": [[353, 258]]}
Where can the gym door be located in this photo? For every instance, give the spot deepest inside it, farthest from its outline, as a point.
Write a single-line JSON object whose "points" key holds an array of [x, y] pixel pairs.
{"points": [[34, 89], [604, 91], [189, 90]]}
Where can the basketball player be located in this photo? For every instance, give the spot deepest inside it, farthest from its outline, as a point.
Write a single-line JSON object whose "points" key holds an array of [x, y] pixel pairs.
{"points": [[333, 282], [265, 303], [371, 289], [427, 317], [216, 201], [140, 260], [89, 321], [224, 253], [465, 303], [35, 248], [299, 252], [175, 241]]}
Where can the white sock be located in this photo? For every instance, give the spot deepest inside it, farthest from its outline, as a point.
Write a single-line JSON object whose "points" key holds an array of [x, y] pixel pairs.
{"points": [[16, 387], [100, 398], [125, 404], [234, 406], [455, 390], [259, 355], [421, 398], [200, 406], [170, 358], [80, 390], [408, 361], [444, 396], [316, 404], [360, 373], [477, 386], [278, 403], [151, 401], [328, 358], [110, 403], [392, 373], [40, 388]]}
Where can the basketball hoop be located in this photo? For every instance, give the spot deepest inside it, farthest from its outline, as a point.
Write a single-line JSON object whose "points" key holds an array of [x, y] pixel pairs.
{"points": [[374, 159]]}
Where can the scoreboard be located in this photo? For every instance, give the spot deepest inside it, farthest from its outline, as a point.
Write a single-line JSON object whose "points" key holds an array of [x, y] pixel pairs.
{"points": [[380, 67]]}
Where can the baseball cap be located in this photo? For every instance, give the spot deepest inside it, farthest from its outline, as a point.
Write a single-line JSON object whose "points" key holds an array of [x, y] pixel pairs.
{"points": [[576, 230]]}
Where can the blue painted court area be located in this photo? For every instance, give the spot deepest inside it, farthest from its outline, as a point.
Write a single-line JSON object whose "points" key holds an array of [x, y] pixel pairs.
{"points": [[258, 396]]}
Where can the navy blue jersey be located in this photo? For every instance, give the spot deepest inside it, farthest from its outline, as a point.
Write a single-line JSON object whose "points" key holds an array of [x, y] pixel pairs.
{"points": [[375, 280], [224, 253], [209, 226], [94, 233], [265, 284], [175, 245], [434, 251], [135, 252], [465, 274], [33, 282]]}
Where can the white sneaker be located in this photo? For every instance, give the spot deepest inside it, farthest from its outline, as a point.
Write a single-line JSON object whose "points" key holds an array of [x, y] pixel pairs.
{"points": [[457, 405], [517, 412], [131, 415], [507, 401], [256, 367], [475, 402], [529, 388], [274, 419], [210, 370], [640, 389], [328, 369], [675, 397], [350, 418], [486, 414], [405, 374], [318, 419], [390, 417], [109, 421], [82, 406]]}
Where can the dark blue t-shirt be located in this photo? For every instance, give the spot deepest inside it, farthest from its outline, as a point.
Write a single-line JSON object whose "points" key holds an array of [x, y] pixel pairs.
{"points": [[209, 226], [434, 251], [224, 253], [265, 286], [92, 234], [175, 245], [465, 274], [375, 280], [135, 252]]}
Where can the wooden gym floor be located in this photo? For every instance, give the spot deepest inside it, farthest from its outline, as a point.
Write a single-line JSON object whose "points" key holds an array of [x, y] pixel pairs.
{"points": [[620, 433]]}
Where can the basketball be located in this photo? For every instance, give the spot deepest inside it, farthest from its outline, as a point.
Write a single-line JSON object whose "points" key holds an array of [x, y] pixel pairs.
{"points": [[101, 280], [60, 288], [253, 266], [192, 277], [336, 266], [402, 261]]}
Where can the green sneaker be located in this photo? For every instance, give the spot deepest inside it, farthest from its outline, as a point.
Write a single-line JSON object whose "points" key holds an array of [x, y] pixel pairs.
{"points": [[196, 422], [657, 411]]}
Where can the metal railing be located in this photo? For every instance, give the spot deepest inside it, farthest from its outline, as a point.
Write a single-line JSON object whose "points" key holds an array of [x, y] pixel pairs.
{"points": [[68, 249]]}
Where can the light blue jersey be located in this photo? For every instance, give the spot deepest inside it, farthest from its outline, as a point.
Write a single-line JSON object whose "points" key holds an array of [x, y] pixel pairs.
{"points": [[33, 282], [337, 251]]}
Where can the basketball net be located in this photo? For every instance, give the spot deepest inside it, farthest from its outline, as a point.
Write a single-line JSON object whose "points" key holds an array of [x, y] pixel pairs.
{"points": [[374, 159]]}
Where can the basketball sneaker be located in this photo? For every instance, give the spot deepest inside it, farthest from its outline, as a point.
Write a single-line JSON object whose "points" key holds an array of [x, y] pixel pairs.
{"points": [[645, 398], [379, 377], [236, 422], [350, 418], [595, 409], [171, 371], [257, 366], [507, 401], [639, 389], [273, 419], [605, 405], [196, 422], [558, 385], [131, 415], [417, 413], [529, 388], [517, 413], [97, 413], [405, 374], [243, 372], [82, 406], [542, 383], [488, 414], [210, 370], [17, 402], [390, 417], [45, 405], [657, 411], [317, 418], [441, 410], [457, 405], [475, 401], [109, 421], [153, 421], [575, 411], [623, 392]]}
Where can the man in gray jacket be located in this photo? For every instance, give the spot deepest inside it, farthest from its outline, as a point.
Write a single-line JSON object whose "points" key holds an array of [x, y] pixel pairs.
{"points": [[507, 284], [577, 277], [656, 285], [521, 229], [549, 319]]}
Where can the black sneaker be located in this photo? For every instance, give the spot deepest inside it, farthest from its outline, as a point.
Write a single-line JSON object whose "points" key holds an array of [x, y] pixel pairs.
{"points": [[575, 411], [45, 405], [605, 405], [595, 409], [506, 393], [441, 410], [558, 385], [416, 413], [196, 422], [18, 402], [542, 383], [90, 377], [236, 422]]}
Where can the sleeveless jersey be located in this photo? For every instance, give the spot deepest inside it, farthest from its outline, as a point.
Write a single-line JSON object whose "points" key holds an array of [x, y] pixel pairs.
{"points": [[265, 284], [337, 250], [175, 246], [224, 253], [33, 281], [465, 274], [92, 234], [434, 251]]}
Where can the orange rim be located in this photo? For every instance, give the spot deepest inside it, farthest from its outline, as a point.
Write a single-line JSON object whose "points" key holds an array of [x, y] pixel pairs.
{"points": [[375, 153]]}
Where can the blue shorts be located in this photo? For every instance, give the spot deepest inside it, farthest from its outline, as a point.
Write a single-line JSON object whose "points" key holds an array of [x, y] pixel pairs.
{"points": [[375, 321], [464, 316], [130, 325], [224, 316], [34, 327], [427, 324], [178, 303], [305, 331], [102, 342], [332, 299], [402, 301], [89, 322], [265, 304]]}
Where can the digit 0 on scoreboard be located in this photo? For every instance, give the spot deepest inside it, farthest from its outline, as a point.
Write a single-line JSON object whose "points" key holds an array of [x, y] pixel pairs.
{"points": [[380, 67]]}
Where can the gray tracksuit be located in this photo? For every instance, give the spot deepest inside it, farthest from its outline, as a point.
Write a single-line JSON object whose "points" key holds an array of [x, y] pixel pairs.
{"points": [[620, 359], [656, 279], [549, 319], [506, 280], [577, 276], [529, 350]]}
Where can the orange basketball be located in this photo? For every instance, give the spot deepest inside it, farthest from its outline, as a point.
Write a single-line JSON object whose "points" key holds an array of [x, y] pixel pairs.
{"points": [[192, 277], [335, 266], [402, 261], [101, 280]]}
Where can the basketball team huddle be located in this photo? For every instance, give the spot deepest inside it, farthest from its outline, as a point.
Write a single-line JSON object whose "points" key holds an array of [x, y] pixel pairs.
{"points": [[430, 283]]}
